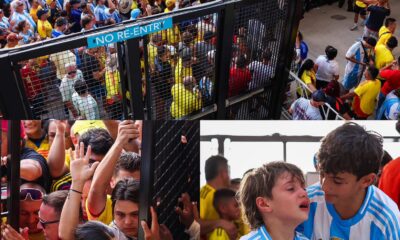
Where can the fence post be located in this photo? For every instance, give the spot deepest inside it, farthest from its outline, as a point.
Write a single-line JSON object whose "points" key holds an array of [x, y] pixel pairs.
{"points": [[146, 174], [13, 103], [226, 19], [149, 93], [123, 79], [295, 8], [132, 60], [13, 166]]}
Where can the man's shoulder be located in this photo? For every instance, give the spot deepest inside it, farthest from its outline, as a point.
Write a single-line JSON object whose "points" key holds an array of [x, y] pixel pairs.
{"points": [[28, 153]]}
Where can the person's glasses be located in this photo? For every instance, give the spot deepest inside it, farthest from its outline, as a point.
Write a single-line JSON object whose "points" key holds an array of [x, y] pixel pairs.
{"points": [[31, 193], [44, 223], [71, 72]]}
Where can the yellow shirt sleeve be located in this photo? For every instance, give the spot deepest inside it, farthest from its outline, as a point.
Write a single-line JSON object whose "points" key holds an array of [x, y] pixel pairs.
{"points": [[207, 210], [218, 234], [106, 216]]}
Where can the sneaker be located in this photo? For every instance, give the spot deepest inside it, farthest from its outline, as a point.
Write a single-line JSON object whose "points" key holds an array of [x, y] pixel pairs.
{"points": [[355, 27], [363, 23]]}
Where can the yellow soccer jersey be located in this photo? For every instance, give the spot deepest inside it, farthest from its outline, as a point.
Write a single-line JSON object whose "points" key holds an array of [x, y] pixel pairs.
{"points": [[43, 148], [207, 210], [106, 216], [218, 234]]}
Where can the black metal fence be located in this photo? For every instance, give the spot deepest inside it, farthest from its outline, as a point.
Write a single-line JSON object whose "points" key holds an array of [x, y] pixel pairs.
{"points": [[10, 189], [224, 59], [170, 166], [171, 150]]}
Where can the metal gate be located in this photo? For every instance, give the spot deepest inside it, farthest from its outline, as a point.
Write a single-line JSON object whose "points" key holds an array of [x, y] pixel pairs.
{"points": [[219, 60]]}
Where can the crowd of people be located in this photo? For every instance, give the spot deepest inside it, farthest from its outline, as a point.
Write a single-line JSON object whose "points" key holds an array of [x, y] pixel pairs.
{"points": [[85, 83], [370, 86], [81, 180], [357, 196]]}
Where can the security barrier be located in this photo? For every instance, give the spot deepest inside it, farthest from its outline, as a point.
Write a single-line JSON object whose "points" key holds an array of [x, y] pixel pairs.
{"points": [[219, 60]]}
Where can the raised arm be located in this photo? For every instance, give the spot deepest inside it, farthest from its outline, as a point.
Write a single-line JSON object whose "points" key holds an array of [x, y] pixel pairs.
{"points": [[56, 159], [80, 173], [101, 180]]}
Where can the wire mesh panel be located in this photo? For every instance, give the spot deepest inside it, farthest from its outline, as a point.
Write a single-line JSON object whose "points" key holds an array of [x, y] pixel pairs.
{"points": [[74, 84], [181, 67], [181, 72], [177, 169], [258, 35], [253, 108]]}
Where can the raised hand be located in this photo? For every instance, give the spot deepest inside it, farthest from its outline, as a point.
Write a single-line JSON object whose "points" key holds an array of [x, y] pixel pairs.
{"points": [[9, 233], [154, 232], [80, 168], [186, 215]]}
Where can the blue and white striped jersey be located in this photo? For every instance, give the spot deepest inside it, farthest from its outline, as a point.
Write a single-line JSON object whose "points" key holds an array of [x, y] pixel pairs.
{"points": [[262, 234], [377, 219]]}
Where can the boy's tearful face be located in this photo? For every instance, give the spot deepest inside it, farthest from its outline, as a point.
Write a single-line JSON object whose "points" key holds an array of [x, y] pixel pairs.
{"points": [[289, 199], [233, 209]]}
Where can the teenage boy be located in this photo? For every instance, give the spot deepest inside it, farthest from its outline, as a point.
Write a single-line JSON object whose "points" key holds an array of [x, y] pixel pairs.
{"points": [[228, 209], [345, 204], [274, 201]]}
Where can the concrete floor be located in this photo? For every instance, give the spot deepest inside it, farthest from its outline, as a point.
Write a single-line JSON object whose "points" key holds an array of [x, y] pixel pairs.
{"points": [[320, 29]]}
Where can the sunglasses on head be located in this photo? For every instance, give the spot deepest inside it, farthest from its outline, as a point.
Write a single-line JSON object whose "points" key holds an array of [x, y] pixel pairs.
{"points": [[30, 194], [72, 72]]}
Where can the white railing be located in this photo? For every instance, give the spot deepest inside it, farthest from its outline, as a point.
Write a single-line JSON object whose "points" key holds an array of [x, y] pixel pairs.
{"points": [[305, 93]]}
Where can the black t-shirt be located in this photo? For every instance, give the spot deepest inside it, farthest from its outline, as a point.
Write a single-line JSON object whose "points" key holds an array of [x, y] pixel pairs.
{"points": [[45, 179], [89, 65], [376, 17], [337, 104]]}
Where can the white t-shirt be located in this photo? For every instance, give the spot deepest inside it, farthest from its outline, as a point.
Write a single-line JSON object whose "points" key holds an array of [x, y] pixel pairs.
{"points": [[260, 74], [303, 110], [67, 86], [86, 106], [326, 69], [377, 219]]}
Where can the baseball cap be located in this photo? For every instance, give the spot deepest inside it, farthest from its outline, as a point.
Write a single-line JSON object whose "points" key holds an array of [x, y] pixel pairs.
{"points": [[170, 3], [135, 13], [319, 96], [40, 12], [80, 127], [124, 6]]}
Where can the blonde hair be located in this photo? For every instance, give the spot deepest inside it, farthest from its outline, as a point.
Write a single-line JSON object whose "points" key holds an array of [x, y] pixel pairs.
{"points": [[259, 183]]}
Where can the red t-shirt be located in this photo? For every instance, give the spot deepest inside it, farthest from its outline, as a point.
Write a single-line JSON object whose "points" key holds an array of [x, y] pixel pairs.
{"points": [[238, 81], [31, 81], [392, 80], [390, 180]]}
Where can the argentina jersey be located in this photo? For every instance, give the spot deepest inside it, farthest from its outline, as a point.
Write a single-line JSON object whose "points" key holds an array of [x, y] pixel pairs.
{"points": [[377, 219], [262, 234]]}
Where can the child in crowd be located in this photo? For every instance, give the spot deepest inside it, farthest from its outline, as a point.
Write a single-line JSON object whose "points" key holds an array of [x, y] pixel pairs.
{"points": [[345, 204], [84, 102], [228, 209], [274, 201]]}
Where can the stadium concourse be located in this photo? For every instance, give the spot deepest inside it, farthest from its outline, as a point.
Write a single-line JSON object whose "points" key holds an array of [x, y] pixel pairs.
{"points": [[347, 62], [320, 28]]}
